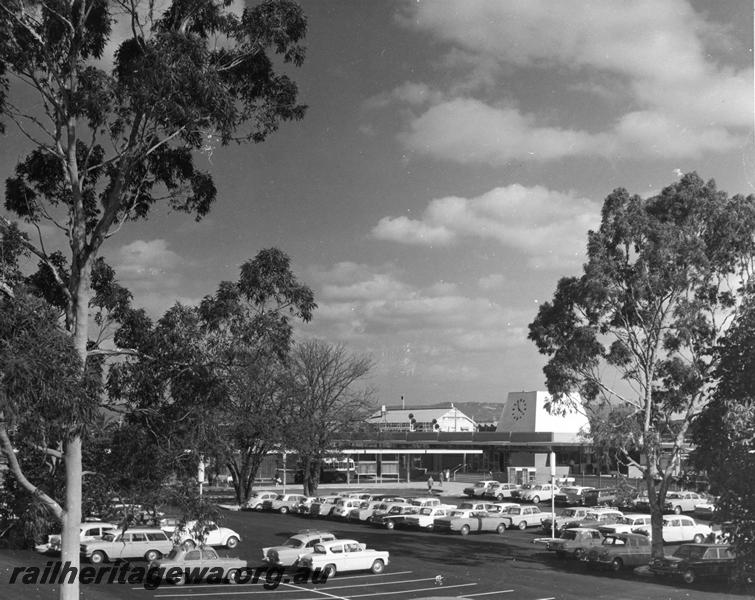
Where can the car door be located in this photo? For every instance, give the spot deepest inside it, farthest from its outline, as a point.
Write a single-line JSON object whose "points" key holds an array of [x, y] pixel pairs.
{"points": [[120, 545], [213, 535], [672, 530]]}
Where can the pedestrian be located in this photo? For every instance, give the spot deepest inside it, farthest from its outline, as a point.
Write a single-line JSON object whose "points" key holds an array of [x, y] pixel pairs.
{"points": [[430, 483]]}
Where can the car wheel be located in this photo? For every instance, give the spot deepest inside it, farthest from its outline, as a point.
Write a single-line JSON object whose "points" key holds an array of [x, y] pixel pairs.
{"points": [[522, 525], [699, 538], [283, 510], [378, 566], [536, 499], [464, 530], [232, 542], [330, 571], [257, 507], [152, 555], [499, 497], [233, 576], [617, 564], [689, 576], [179, 579], [97, 558], [390, 525], [678, 510], [188, 545], [579, 553], [501, 529]]}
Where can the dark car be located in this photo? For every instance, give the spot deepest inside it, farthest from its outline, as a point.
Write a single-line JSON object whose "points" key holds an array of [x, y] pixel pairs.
{"points": [[694, 561], [602, 497], [621, 550]]}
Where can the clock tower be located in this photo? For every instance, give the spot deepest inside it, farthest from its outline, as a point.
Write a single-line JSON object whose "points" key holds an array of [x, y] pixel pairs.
{"points": [[526, 412]]}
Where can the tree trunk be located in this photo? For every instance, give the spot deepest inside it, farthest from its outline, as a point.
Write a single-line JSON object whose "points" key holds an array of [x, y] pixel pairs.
{"points": [[72, 517]]}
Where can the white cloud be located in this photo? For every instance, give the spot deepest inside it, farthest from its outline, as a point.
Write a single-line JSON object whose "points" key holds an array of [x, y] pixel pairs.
{"points": [[141, 260], [494, 281], [683, 103], [409, 231], [548, 226]]}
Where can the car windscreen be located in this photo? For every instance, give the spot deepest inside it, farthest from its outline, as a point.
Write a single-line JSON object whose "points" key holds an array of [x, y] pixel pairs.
{"points": [[319, 549], [426, 511], [570, 512], [689, 551], [293, 543], [569, 534], [109, 537]]}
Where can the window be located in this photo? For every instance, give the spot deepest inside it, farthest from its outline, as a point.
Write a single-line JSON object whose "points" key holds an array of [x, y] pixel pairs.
{"points": [[192, 555], [209, 554], [353, 548], [138, 537], [336, 549], [157, 537]]}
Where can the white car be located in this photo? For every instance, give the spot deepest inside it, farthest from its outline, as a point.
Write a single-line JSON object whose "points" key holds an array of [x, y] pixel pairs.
{"points": [[499, 491], [344, 507], [679, 528], [257, 499], [525, 516], [572, 495], [680, 502], [338, 556], [426, 516], [539, 493], [288, 553], [626, 524], [364, 510], [192, 534], [88, 532], [283, 503], [424, 502]]}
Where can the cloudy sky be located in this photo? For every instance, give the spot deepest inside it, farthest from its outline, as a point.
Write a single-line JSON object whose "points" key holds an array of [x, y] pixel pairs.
{"points": [[452, 159]]}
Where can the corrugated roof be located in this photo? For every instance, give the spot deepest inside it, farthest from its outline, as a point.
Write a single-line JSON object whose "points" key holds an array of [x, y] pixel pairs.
{"points": [[423, 415]]}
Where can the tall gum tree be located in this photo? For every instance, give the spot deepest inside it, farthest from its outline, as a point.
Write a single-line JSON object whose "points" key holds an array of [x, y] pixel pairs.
{"points": [[637, 332], [110, 143]]}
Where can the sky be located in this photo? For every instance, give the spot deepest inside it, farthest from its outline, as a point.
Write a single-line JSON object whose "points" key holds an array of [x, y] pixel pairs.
{"points": [[452, 159]]}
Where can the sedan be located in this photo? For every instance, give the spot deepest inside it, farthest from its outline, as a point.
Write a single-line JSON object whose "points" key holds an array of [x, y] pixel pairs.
{"points": [[344, 555], [621, 550], [197, 564]]}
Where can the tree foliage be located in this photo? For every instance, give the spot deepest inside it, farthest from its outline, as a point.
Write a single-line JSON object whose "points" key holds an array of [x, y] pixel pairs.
{"points": [[323, 400], [638, 330], [110, 141], [208, 378], [724, 436]]}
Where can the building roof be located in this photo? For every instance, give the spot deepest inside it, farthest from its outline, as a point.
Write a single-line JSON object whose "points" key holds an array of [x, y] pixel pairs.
{"points": [[422, 415]]}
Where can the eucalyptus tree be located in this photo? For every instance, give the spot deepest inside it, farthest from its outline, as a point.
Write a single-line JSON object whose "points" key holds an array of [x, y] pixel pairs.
{"points": [[111, 141], [664, 279], [724, 437], [326, 399]]}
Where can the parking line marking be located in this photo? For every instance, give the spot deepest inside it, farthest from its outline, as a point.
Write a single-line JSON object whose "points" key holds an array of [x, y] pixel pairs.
{"points": [[356, 585], [499, 592], [435, 587], [315, 591]]}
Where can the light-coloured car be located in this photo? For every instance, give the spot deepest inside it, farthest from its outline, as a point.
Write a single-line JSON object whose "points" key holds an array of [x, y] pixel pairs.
{"points": [[283, 503], [679, 528], [364, 510], [424, 501], [570, 517], [257, 499], [344, 506], [525, 516], [288, 553], [501, 491], [208, 534], [480, 487], [88, 532], [340, 556], [196, 565], [470, 521], [136, 542], [679, 502], [539, 493], [626, 524], [575, 542], [426, 516]]}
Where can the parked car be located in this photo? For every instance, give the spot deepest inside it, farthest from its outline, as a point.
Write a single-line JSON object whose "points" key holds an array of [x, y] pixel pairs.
{"points": [[679, 528], [257, 499], [705, 509], [169, 524], [626, 524], [517, 493], [197, 564], [570, 517], [621, 550], [422, 502], [500, 491], [338, 556], [575, 542], [599, 516], [470, 521], [323, 506], [539, 493], [137, 542], [88, 532], [426, 516], [343, 507], [396, 514], [679, 502], [571, 495], [480, 488], [207, 534], [302, 506], [303, 542], [364, 511], [283, 503], [600, 497], [695, 561], [525, 516], [478, 506]]}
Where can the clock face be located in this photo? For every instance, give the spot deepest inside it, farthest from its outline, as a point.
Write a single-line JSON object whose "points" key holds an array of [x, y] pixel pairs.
{"points": [[518, 409]]}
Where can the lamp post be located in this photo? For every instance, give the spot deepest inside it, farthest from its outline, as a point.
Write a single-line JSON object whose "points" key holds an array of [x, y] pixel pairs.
{"points": [[553, 494]]}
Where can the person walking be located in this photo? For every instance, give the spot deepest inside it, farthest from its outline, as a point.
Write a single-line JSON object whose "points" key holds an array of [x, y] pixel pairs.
{"points": [[430, 483]]}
